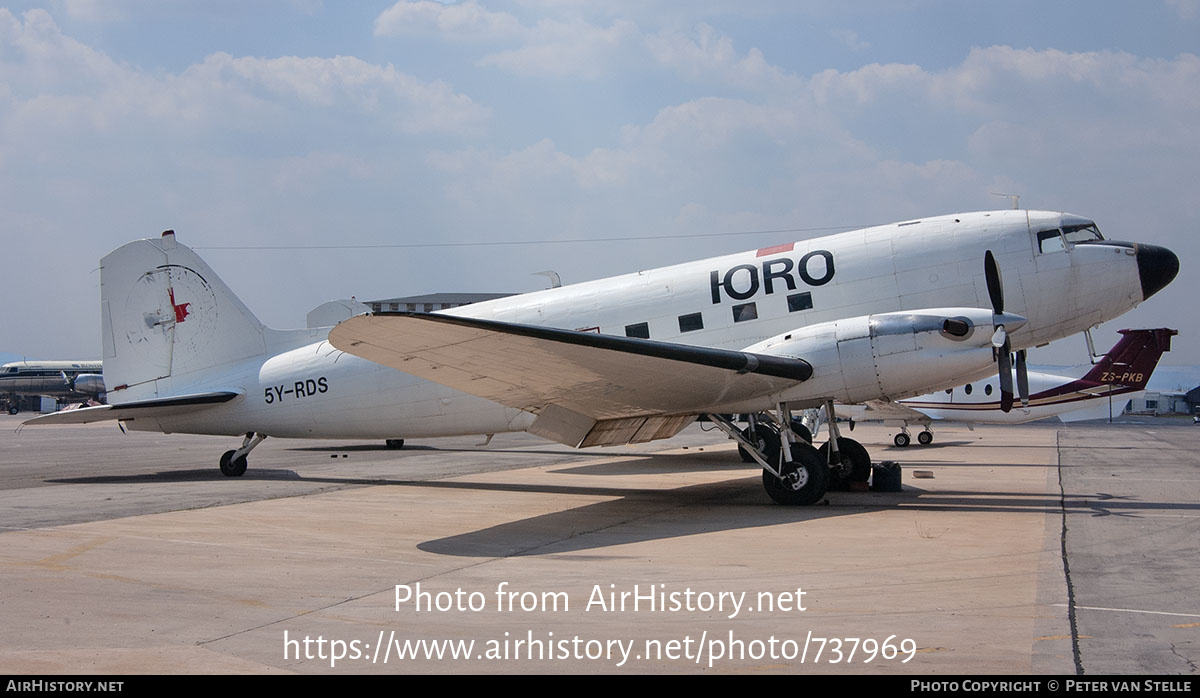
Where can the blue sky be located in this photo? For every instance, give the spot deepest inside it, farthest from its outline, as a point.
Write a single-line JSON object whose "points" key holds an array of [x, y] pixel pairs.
{"points": [[299, 122]]}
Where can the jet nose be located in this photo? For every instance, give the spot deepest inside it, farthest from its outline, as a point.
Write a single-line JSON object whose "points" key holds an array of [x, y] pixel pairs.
{"points": [[1157, 267]]}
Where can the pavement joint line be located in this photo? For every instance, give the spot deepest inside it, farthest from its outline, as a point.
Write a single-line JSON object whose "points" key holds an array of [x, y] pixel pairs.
{"points": [[1134, 610]]}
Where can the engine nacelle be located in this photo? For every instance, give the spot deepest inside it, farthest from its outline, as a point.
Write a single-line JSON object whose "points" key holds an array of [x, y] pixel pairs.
{"points": [[89, 384], [891, 355]]}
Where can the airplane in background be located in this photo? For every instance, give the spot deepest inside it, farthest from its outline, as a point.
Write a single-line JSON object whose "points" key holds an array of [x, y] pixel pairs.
{"points": [[59, 379], [1125, 369], [881, 313]]}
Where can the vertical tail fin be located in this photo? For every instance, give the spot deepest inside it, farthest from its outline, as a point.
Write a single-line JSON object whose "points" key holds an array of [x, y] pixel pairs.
{"points": [[1134, 357], [167, 319]]}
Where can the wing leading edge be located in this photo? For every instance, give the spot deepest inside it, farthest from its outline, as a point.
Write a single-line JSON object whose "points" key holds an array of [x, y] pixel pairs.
{"points": [[587, 388]]}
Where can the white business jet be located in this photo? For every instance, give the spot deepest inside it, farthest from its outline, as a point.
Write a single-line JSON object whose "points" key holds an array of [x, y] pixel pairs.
{"points": [[1124, 370], [881, 313]]}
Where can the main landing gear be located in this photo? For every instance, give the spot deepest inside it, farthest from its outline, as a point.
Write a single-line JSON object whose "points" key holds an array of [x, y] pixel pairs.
{"points": [[903, 439], [794, 472], [233, 463]]}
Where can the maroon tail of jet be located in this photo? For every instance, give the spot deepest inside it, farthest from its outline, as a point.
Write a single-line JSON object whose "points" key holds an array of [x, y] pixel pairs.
{"points": [[1130, 362]]}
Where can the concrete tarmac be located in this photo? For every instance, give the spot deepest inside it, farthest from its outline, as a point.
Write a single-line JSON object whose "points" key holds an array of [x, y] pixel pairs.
{"points": [[1011, 550]]}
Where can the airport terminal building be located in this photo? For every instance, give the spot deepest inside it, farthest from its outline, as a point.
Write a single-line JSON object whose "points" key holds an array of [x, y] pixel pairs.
{"points": [[431, 302]]}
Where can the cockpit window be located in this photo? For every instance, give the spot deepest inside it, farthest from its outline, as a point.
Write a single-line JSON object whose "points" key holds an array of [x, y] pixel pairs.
{"points": [[1051, 241], [1082, 233]]}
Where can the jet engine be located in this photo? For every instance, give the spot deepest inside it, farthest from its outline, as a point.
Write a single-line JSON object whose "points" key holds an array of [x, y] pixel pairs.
{"points": [[88, 384]]}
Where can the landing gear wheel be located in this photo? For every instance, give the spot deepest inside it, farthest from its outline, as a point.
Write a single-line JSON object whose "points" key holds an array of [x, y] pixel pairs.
{"points": [[806, 478], [855, 466], [925, 438], [231, 467], [767, 439], [395, 443], [801, 431], [901, 440]]}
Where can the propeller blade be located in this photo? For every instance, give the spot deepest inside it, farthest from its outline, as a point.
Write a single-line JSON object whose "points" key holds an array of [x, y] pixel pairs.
{"points": [[1004, 361], [995, 285], [1022, 379]]}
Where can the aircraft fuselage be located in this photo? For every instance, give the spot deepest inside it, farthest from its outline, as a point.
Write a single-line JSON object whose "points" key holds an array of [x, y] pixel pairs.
{"points": [[301, 386]]}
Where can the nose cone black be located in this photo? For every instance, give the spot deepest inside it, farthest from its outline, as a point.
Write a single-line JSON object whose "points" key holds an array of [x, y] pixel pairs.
{"points": [[1157, 267]]}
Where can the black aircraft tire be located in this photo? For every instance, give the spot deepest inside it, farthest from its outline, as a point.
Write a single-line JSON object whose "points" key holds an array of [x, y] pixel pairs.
{"points": [[232, 468], [815, 479], [395, 443], [925, 438], [801, 431], [860, 464], [768, 443], [901, 440]]}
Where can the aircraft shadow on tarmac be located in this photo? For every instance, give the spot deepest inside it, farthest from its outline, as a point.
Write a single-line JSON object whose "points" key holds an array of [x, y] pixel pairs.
{"points": [[636, 514], [735, 504], [190, 475], [696, 461], [927, 447], [414, 448]]}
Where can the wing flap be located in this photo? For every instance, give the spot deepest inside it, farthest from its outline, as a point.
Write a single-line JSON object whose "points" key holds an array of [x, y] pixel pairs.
{"points": [[598, 376]]}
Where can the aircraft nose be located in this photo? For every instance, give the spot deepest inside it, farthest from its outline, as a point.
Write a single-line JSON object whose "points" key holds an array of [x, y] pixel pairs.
{"points": [[1157, 267]]}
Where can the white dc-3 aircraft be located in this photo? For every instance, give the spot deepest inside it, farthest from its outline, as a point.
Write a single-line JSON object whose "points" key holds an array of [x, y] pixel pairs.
{"points": [[1124, 370], [881, 313]]}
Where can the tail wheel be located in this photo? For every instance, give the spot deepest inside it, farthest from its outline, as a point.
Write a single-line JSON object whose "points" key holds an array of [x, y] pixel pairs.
{"points": [[855, 465], [806, 478], [231, 467]]}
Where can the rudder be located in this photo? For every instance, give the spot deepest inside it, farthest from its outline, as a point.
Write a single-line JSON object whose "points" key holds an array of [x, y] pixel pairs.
{"points": [[166, 317]]}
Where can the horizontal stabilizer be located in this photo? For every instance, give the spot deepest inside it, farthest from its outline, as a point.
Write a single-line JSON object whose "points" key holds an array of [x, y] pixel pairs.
{"points": [[157, 407], [596, 376]]}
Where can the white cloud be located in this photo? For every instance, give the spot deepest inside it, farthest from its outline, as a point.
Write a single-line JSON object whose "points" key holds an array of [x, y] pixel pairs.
{"points": [[549, 47], [56, 80], [850, 39], [707, 56], [465, 20]]}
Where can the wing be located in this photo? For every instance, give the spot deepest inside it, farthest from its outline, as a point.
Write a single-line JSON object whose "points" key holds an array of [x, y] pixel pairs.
{"points": [[158, 407], [587, 388]]}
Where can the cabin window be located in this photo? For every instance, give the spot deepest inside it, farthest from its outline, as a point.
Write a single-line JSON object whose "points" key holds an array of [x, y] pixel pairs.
{"points": [[691, 322], [640, 330], [799, 301], [987, 389], [967, 388], [744, 312]]}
